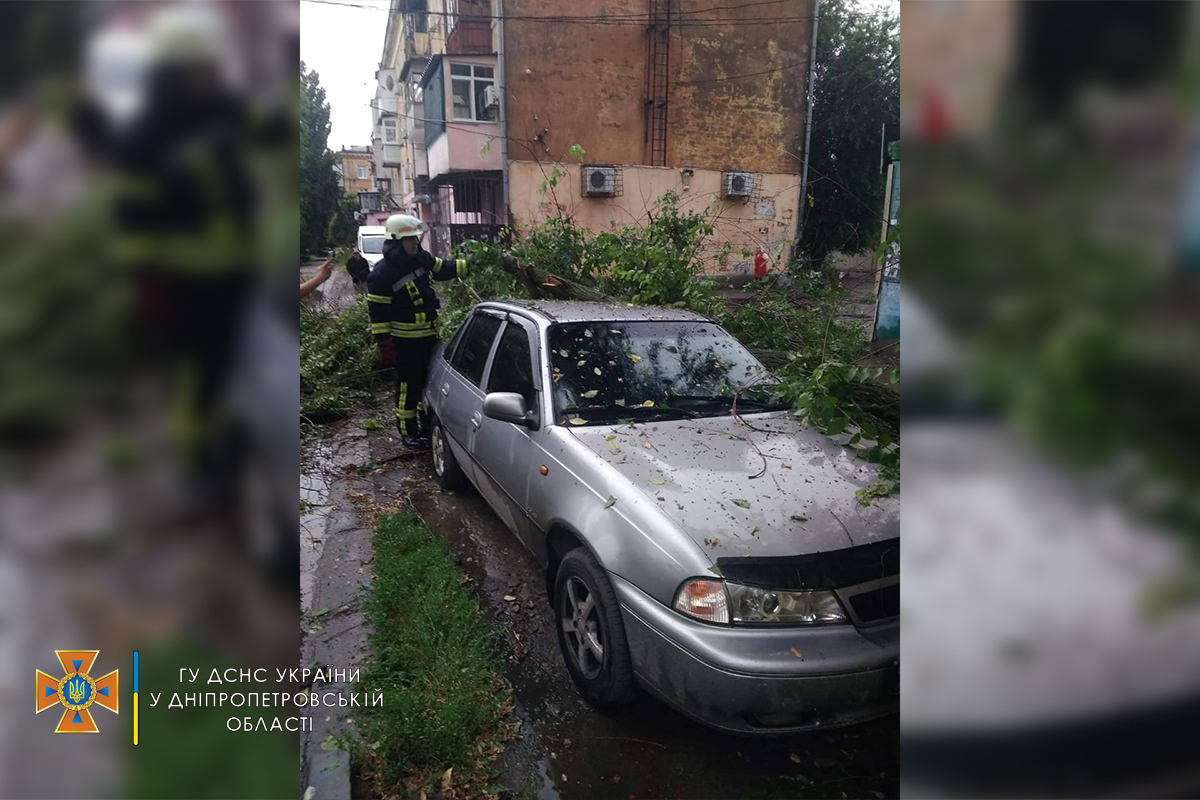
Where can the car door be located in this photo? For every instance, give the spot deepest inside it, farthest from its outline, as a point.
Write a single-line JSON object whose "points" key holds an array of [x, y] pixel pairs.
{"points": [[462, 398], [505, 453]]}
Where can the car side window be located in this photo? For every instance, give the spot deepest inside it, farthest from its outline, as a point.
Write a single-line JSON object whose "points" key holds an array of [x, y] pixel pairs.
{"points": [[512, 369], [448, 350], [471, 354]]}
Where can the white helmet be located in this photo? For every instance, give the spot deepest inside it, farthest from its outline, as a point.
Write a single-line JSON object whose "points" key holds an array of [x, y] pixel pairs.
{"points": [[187, 34], [401, 226]]}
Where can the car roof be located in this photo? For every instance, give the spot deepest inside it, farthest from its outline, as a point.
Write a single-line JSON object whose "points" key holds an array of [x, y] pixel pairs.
{"points": [[589, 311]]}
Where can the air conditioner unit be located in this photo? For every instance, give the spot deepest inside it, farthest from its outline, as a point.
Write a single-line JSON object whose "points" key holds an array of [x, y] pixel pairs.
{"points": [[738, 184], [600, 181], [491, 97]]}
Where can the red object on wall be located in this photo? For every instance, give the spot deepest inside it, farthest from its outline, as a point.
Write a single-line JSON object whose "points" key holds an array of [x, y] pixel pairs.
{"points": [[935, 118], [760, 264]]}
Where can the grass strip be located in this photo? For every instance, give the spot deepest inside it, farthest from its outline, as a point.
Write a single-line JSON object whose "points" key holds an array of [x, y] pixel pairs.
{"points": [[434, 655]]}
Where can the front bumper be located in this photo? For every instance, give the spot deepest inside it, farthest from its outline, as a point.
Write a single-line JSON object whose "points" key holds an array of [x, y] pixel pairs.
{"points": [[749, 680]]}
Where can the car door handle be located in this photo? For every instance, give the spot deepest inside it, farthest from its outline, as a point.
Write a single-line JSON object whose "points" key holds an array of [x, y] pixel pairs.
{"points": [[445, 388], [476, 419]]}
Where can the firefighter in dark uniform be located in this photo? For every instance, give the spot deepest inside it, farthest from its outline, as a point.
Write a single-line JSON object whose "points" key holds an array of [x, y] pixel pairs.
{"points": [[185, 214], [403, 308]]}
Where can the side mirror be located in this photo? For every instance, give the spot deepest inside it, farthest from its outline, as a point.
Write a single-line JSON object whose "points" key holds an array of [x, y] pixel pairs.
{"points": [[508, 407]]}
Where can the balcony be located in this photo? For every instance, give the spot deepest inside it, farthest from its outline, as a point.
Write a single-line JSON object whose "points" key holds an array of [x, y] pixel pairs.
{"points": [[470, 28], [393, 155], [447, 237], [417, 45]]}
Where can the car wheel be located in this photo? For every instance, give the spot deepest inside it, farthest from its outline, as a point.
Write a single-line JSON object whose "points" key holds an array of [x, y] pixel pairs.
{"points": [[590, 631], [445, 465]]}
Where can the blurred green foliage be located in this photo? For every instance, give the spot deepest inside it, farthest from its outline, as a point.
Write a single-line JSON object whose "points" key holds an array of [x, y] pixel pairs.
{"points": [[62, 322], [1078, 337], [189, 752]]}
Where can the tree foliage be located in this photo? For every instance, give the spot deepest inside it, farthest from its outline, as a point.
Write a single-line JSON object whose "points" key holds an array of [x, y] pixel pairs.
{"points": [[343, 227], [857, 91], [319, 189]]}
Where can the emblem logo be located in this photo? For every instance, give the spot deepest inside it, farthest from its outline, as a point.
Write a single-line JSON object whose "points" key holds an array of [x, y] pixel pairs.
{"points": [[77, 691]]}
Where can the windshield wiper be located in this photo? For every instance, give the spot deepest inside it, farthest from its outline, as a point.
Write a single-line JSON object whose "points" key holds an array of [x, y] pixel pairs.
{"points": [[725, 403], [614, 411]]}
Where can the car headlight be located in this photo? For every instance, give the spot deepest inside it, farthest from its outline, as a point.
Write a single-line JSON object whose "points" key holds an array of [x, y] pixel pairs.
{"points": [[725, 602], [752, 604]]}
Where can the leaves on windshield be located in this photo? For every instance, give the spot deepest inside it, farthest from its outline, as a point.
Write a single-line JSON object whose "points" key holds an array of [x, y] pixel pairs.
{"points": [[646, 364], [577, 421]]}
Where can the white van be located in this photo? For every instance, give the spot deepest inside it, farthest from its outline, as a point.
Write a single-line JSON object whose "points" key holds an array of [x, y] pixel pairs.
{"points": [[370, 243]]}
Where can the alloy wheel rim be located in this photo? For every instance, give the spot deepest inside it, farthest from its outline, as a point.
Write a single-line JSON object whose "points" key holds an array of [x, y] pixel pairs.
{"points": [[581, 627], [439, 455]]}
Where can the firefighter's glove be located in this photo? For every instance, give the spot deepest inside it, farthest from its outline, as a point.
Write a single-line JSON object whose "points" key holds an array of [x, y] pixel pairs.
{"points": [[387, 353]]}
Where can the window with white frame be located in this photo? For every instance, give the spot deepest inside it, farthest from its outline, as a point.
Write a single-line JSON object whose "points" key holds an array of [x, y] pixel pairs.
{"points": [[362, 172], [389, 131], [468, 92]]}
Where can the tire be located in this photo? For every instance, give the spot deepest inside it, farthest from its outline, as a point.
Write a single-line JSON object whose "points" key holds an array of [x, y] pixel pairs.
{"points": [[445, 466], [607, 680]]}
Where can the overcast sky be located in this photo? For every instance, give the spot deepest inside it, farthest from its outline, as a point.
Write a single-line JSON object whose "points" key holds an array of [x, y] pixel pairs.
{"points": [[343, 45]]}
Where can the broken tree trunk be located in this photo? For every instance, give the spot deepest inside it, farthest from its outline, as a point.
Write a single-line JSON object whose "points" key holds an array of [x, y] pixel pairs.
{"points": [[543, 284]]}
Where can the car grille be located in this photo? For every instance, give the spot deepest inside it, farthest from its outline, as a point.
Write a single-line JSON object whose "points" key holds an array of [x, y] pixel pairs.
{"points": [[834, 569], [877, 604]]}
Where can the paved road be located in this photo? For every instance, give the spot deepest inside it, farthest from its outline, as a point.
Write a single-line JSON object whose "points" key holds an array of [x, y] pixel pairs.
{"points": [[568, 749], [337, 293]]}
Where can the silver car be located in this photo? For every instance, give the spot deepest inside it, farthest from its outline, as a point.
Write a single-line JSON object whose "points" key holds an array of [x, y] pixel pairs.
{"points": [[717, 557]]}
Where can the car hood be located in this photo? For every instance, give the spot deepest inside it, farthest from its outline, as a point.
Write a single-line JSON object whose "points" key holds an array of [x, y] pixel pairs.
{"points": [[373, 258], [708, 476]]}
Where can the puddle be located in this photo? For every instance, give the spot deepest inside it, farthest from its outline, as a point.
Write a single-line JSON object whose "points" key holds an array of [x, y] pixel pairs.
{"points": [[547, 791]]}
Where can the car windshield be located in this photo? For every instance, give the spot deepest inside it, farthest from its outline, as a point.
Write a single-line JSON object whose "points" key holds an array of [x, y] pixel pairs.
{"points": [[372, 245], [606, 372]]}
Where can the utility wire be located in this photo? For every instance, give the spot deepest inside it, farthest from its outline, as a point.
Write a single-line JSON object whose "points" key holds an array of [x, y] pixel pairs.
{"points": [[611, 20]]}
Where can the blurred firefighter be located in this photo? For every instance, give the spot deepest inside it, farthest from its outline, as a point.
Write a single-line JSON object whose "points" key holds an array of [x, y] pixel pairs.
{"points": [[185, 212], [403, 308]]}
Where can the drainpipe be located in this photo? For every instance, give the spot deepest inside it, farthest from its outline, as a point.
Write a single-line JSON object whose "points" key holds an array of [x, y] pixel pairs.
{"points": [[503, 104], [802, 216]]}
